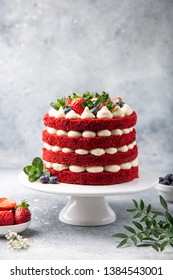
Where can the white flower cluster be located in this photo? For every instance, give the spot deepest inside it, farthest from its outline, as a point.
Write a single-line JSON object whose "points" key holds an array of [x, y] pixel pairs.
{"points": [[16, 241]]}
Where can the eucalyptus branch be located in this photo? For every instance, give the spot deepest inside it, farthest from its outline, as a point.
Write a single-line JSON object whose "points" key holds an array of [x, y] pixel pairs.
{"points": [[149, 231]]}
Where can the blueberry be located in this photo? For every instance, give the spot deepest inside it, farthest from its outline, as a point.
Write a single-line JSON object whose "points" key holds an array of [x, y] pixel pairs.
{"points": [[94, 110], [66, 110], [120, 104], [44, 179], [161, 179], [53, 180], [166, 182]]}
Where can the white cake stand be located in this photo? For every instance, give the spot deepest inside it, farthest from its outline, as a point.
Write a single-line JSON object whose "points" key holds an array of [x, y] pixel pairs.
{"points": [[87, 205]]}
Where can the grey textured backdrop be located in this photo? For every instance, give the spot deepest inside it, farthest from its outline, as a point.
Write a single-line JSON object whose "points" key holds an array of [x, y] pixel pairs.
{"points": [[51, 48]]}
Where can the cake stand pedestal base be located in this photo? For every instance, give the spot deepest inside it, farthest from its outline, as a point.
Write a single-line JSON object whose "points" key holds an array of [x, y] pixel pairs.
{"points": [[87, 211]]}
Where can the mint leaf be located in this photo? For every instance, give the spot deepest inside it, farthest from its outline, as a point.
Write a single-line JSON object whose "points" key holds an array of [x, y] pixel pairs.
{"points": [[28, 169], [37, 162]]}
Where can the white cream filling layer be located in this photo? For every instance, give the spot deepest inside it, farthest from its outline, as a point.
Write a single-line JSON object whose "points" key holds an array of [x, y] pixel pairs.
{"points": [[88, 133], [96, 152], [92, 169]]}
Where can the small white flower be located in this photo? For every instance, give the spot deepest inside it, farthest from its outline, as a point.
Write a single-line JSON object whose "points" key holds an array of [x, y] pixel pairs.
{"points": [[16, 241]]}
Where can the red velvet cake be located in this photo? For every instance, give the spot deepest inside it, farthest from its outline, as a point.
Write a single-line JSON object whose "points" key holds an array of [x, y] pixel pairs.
{"points": [[91, 140]]}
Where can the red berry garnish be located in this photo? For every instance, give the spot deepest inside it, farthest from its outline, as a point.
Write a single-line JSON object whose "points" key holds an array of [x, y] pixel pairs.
{"points": [[76, 105]]}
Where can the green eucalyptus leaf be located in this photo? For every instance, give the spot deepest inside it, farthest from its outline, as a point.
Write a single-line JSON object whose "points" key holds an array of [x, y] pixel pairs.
{"points": [[120, 235], [163, 202], [130, 229], [133, 238], [139, 214], [138, 225], [155, 247], [148, 208], [169, 217], [135, 203], [131, 210], [122, 243], [142, 204]]}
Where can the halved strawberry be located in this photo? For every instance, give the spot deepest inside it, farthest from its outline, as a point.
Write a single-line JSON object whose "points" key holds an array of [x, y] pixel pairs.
{"points": [[6, 218], [76, 105], [7, 204], [68, 101], [116, 99]]}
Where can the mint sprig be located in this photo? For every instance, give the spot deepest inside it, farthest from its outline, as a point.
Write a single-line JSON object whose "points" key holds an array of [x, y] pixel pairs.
{"points": [[36, 170], [60, 103], [149, 230]]}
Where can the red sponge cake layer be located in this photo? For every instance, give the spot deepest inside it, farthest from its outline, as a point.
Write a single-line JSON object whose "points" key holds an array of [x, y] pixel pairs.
{"points": [[90, 124], [89, 143], [90, 160], [101, 178]]}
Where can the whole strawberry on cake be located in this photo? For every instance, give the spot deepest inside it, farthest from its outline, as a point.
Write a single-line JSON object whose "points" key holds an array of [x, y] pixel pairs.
{"points": [[90, 140]]}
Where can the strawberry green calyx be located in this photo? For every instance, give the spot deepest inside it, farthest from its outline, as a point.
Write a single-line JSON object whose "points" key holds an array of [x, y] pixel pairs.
{"points": [[23, 204]]}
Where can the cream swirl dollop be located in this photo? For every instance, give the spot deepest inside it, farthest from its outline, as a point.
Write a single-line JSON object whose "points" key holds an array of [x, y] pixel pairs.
{"points": [[75, 168], [97, 152], [52, 112], [104, 113], [60, 113], [118, 112], [88, 133], [127, 110], [72, 115], [87, 114]]}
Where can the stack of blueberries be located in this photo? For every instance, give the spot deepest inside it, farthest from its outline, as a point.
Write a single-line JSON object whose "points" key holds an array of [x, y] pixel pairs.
{"points": [[167, 180]]}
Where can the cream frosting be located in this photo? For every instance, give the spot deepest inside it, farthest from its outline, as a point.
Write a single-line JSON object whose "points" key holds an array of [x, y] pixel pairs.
{"points": [[73, 133], [81, 151], [52, 112], [112, 168], [56, 149], [72, 115], [125, 165], [88, 133], [51, 130], [123, 149], [75, 168], [92, 169], [104, 132], [127, 110], [111, 151], [116, 132], [97, 152], [60, 113], [118, 113], [61, 132], [87, 114], [104, 113], [59, 167], [67, 150]]}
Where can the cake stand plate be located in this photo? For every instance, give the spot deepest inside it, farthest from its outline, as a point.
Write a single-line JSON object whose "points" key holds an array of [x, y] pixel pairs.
{"points": [[87, 205]]}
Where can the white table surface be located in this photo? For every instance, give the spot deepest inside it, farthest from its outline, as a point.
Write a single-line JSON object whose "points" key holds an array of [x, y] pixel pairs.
{"points": [[51, 239]]}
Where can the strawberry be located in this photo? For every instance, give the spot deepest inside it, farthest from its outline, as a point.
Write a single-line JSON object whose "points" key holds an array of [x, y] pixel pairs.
{"points": [[117, 99], [7, 204], [22, 213], [6, 218], [76, 105], [67, 101]]}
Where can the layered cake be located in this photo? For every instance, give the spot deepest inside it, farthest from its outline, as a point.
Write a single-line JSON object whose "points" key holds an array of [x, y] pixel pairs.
{"points": [[91, 140]]}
